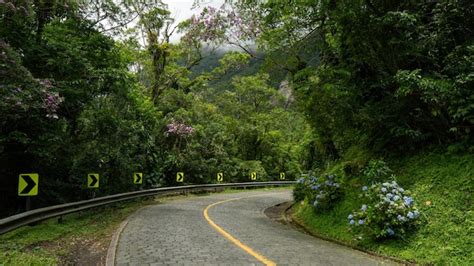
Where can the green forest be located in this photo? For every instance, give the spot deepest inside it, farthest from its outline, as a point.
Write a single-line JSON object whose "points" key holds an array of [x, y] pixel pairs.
{"points": [[97, 87], [354, 90]]}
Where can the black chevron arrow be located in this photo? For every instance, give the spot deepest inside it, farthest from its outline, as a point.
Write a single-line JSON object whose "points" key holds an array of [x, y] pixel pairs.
{"points": [[94, 180], [30, 184], [139, 178]]}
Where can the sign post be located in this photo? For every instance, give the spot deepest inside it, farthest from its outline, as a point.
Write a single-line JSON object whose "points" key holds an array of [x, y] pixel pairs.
{"points": [[282, 176], [93, 180], [137, 178], [253, 176], [180, 177], [28, 184]]}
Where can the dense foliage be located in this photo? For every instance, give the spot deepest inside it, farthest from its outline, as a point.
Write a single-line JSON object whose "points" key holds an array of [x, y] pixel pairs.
{"points": [[82, 94], [390, 75]]}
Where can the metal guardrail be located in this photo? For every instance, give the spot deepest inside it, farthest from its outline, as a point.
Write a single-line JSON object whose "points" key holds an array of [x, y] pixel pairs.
{"points": [[12, 222]]}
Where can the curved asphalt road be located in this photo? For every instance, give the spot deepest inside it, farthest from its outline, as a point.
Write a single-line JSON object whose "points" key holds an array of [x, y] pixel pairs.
{"points": [[225, 229]]}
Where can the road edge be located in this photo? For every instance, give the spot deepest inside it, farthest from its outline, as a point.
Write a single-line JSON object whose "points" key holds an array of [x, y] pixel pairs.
{"points": [[110, 258], [112, 250]]}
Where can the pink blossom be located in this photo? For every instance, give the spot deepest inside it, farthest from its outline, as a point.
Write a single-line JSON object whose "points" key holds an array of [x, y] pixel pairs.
{"points": [[179, 129], [51, 104]]}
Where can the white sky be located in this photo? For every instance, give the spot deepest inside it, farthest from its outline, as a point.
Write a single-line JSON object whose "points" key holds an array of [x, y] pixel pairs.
{"points": [[181, 10]]}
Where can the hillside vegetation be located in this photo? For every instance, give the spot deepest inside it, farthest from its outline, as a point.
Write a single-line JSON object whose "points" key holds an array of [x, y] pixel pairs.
{"points": [[441, 183]]}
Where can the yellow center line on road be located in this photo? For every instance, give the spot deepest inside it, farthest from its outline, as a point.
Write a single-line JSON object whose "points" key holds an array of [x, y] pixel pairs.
{"points": [[231, 238]]}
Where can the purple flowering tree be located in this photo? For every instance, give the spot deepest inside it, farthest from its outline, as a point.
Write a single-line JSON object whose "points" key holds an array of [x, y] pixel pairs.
{"points": [[232, 24], [51, 100], [23, 95], [178, 133], [179, 129]]}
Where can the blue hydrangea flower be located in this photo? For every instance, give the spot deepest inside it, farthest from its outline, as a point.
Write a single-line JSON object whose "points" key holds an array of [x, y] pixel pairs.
{"points": [[384, 190], [390, 232], [361, 222], [300, 181], [351, 222], [408, 200], [410, 215], [389, 195], [350, 217], [401, 218], [401, 189], [416, 213], [364, 208], [315, 187], [364, 188], [396, 197]]}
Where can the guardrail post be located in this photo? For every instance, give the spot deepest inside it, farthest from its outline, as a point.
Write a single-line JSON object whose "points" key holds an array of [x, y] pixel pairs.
{"points": [[28, 204]]}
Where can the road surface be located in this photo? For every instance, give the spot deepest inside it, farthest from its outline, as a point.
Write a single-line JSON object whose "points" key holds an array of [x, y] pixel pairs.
{"points": [[225, 229]]}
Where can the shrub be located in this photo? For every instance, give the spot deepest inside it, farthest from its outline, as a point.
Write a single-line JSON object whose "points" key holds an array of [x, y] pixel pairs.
{"points": [[377, 171], [300, 190], [389, 211], [323, 192]]}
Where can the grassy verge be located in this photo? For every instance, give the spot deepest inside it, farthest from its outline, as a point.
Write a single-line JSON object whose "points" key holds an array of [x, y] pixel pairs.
{"points": [[442, 184], [52, 243]]}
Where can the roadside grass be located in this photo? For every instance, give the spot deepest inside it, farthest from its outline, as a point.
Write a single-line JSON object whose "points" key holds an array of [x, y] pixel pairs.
{"points": [[442, 185], [52, 243]]}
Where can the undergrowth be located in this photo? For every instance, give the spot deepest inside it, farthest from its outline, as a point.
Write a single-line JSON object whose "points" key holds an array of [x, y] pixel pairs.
{"points": [[442, 184]]}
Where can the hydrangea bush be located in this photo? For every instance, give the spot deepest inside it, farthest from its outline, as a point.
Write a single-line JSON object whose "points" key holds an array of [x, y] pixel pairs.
{"points": [[388, 211], [300, 189], [324, 191]]}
